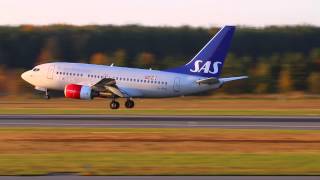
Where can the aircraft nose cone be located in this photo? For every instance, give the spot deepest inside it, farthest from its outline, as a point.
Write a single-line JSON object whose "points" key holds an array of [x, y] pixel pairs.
{"points": [[25, 76]]}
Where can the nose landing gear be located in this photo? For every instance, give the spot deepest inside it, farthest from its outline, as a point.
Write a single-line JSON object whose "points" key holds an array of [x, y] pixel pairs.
{"points": [[47, 95]]}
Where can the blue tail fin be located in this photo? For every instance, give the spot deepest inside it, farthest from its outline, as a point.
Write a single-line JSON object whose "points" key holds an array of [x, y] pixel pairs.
{"points": [[209, 61]]}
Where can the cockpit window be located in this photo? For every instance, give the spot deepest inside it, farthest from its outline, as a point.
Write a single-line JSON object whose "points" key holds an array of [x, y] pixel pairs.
{"points": [[35, 69]]}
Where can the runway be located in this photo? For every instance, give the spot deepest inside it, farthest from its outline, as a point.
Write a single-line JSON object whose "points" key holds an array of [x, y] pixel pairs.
{"points": [[160, 177], [134, 121]]}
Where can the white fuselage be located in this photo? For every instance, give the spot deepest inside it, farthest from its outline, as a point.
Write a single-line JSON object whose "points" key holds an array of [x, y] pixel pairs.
{"points": [[136, 82]]}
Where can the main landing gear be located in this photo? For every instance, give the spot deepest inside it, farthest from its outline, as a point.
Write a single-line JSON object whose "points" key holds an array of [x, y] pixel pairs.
{"points": [[47, 95], [115, 104], [129, 103]]}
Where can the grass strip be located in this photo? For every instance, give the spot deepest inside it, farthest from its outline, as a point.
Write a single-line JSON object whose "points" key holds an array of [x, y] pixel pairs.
{"points": [[160, 164]]}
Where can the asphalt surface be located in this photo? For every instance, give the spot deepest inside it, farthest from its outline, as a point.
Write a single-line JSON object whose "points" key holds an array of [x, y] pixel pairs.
{"points": [[236, 122], [161, 177], [133, 121]]}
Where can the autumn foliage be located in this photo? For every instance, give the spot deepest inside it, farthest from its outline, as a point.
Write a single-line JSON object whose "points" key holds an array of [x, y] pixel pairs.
{"points": [[277, 59]]}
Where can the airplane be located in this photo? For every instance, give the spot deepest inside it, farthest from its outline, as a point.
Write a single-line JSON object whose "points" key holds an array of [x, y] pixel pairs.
{"points": [[88, 81]]}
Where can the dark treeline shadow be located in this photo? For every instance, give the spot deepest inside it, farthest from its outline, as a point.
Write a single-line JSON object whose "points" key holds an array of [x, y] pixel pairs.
{"points": [[277, 59]]}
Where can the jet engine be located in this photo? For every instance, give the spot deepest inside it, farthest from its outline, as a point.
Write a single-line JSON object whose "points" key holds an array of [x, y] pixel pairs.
{"points": [[76, 91]]}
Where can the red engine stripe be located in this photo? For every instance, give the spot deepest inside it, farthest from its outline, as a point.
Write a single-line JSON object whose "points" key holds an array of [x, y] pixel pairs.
{"points": [[73, 91]]}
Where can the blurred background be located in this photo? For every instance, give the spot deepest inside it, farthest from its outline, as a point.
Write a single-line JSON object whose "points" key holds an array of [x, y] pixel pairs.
{"points": [[277, 43]]}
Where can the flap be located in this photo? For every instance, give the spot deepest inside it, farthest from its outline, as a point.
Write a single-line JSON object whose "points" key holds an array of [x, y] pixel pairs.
{"points": [[108, 84], [101, 85]]}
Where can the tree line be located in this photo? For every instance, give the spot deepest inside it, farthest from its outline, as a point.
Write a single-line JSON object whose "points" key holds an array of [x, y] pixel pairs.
{"points": [[277, 59]]}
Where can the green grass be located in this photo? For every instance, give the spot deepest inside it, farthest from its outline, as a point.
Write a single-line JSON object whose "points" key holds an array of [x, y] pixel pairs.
{"points": [[272, 112], [160, 164], [20, 162], [40, 151]]}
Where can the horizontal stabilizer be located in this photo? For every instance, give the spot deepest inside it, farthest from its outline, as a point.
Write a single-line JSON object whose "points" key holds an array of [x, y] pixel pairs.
{"points": [[211, 80], [224, 80]]}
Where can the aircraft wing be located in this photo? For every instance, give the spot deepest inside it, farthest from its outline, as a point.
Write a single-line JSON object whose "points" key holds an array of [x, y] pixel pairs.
{"points": [[109, 85]]}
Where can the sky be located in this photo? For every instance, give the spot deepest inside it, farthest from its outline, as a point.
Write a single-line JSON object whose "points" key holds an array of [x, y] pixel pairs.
{"points": [[204, 13]]}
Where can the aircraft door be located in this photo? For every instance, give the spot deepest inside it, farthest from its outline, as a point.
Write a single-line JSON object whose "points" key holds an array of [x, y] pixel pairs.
{"points": [[176, 84], [50, 72]]}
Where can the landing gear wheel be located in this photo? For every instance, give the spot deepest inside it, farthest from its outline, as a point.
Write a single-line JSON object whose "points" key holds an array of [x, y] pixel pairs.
{"points": [[47, 96], [129, 103], [114, 105]]}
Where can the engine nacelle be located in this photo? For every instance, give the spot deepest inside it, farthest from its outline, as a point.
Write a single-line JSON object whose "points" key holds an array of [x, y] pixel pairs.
{"points": [[76, 91]]}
